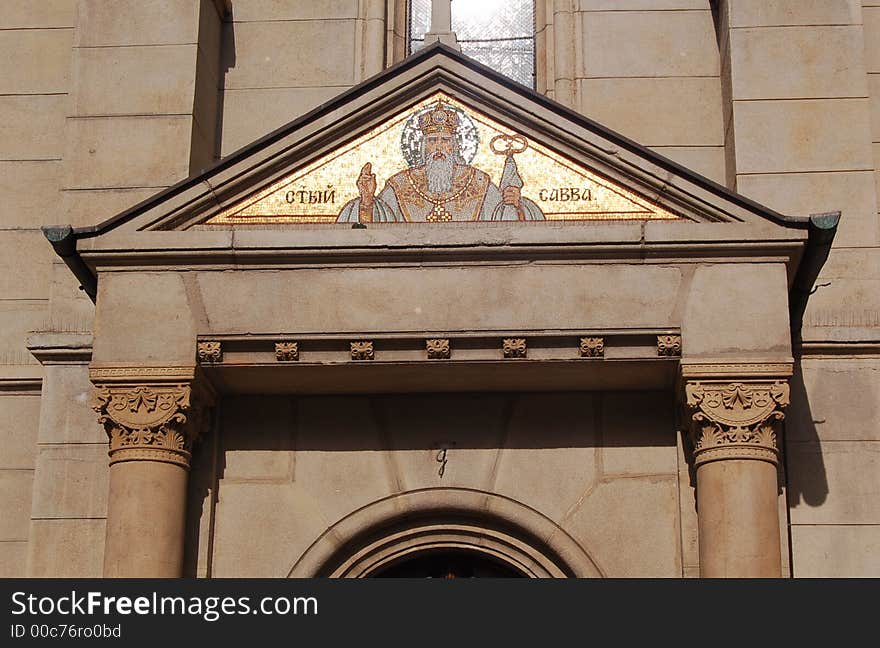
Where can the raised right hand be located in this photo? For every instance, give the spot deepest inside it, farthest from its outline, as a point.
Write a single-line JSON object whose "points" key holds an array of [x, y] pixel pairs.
{"points": [[366, 184]]}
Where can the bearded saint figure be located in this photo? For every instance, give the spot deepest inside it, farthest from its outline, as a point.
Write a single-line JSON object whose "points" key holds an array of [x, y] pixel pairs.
{"points": [[441, 187]]}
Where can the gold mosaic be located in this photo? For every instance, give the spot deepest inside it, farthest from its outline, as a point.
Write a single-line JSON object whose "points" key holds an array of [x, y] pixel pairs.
{"points": [[441, 161]]}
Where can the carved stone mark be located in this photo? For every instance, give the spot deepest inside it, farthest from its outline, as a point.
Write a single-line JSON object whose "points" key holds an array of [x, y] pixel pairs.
{"points": [[669, 345], [438, 349], [514, 347], [286, 351], [362, 350], [210, 352], [592, 347]]}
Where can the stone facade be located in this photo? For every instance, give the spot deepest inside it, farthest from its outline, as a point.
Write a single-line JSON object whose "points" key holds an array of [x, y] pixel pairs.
{"points": [[105, 106]]}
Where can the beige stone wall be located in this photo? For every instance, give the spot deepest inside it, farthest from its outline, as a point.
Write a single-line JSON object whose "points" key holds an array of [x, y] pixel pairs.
{"points": [[69, 505], [101, 107], [19, 414], [602, 466], [799, 77], [281, 59], [833, 458], [35, 41], [143, 110], [649, 69]]}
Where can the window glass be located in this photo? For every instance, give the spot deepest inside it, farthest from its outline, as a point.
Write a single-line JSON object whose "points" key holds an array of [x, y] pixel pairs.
{"points": [[497, 33]]}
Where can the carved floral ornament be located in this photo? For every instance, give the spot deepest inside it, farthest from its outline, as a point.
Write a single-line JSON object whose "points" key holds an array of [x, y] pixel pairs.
{"points": [[148, 422], [209, 352], [362, 350], [736, 420], [438, 348], [592, 347], [669, 345], [286, 351], [514, 347]]}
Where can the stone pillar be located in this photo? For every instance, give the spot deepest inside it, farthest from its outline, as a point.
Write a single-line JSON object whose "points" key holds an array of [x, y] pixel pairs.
{"points": [[152, 426], [734, 429], [441, 25]]}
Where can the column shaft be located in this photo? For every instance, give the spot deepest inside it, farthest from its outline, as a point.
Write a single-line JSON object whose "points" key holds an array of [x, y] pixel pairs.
{"points": [[738, 519], [146, 515]]}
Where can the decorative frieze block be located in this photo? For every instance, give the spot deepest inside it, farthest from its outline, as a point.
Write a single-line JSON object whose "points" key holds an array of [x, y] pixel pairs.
{"points": [[514, 347], [735, 420], [209, 352], [592, 347], [286, 351], [148, 422], [669, 345], [362, 350], [438, 349]]}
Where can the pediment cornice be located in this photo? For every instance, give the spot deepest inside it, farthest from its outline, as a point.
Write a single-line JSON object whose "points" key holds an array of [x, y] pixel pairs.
{"points": [[691, 217], [440, 71]]}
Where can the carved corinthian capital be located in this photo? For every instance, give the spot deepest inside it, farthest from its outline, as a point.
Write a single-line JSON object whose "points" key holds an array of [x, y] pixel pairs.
{"points": [[148, 422], [735, 420]]}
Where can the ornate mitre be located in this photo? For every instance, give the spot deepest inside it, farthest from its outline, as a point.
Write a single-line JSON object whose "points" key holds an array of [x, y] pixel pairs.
{"points": [[438, 120]]}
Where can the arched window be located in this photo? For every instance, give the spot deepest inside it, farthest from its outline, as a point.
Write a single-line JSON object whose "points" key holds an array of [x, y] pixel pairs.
{"points": [[497, 33]]}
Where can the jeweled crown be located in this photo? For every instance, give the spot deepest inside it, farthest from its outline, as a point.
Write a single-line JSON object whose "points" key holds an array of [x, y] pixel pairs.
{"points": [[439, 119]]}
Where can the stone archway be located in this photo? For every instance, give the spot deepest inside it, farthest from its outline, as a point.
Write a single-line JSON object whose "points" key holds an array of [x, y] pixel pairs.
{"points": [[488, 528]]}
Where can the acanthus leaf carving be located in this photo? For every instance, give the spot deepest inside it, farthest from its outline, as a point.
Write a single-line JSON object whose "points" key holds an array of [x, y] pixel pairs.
{"points": [[152, 422], [735, 420]]}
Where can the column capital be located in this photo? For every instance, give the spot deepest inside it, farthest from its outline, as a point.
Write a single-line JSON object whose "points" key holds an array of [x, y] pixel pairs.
{"points": [[150, 413], [731, 419]]}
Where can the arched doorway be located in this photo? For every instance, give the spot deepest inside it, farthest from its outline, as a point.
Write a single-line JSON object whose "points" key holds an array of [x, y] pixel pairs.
{"points": [[445, 532]]}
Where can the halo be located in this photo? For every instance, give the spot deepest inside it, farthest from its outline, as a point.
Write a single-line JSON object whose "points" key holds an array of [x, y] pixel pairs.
{"points": [[467, 136]]}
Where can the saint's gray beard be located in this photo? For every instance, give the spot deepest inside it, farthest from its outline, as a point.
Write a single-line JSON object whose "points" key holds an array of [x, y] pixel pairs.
{"points": [[439, 174]]}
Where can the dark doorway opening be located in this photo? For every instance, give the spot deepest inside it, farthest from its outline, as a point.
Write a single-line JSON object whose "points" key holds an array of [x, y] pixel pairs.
{"points": [[448, 564]]}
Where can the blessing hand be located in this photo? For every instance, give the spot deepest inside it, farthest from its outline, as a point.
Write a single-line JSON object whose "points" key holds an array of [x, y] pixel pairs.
{"points": [[366, 185]]}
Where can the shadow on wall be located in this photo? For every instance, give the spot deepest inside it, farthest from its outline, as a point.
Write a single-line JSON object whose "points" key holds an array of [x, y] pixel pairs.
{"points": [[572, 426], [806, 479], [227, 62], [207, 462], [464, 420]]}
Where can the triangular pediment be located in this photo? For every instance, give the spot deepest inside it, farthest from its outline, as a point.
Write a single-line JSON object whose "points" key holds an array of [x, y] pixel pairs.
{"points": [[564, 166], [561, 188]]}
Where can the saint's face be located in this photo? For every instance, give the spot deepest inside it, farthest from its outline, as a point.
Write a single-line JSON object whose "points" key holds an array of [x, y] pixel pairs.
{"points": [[439, 146]]}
